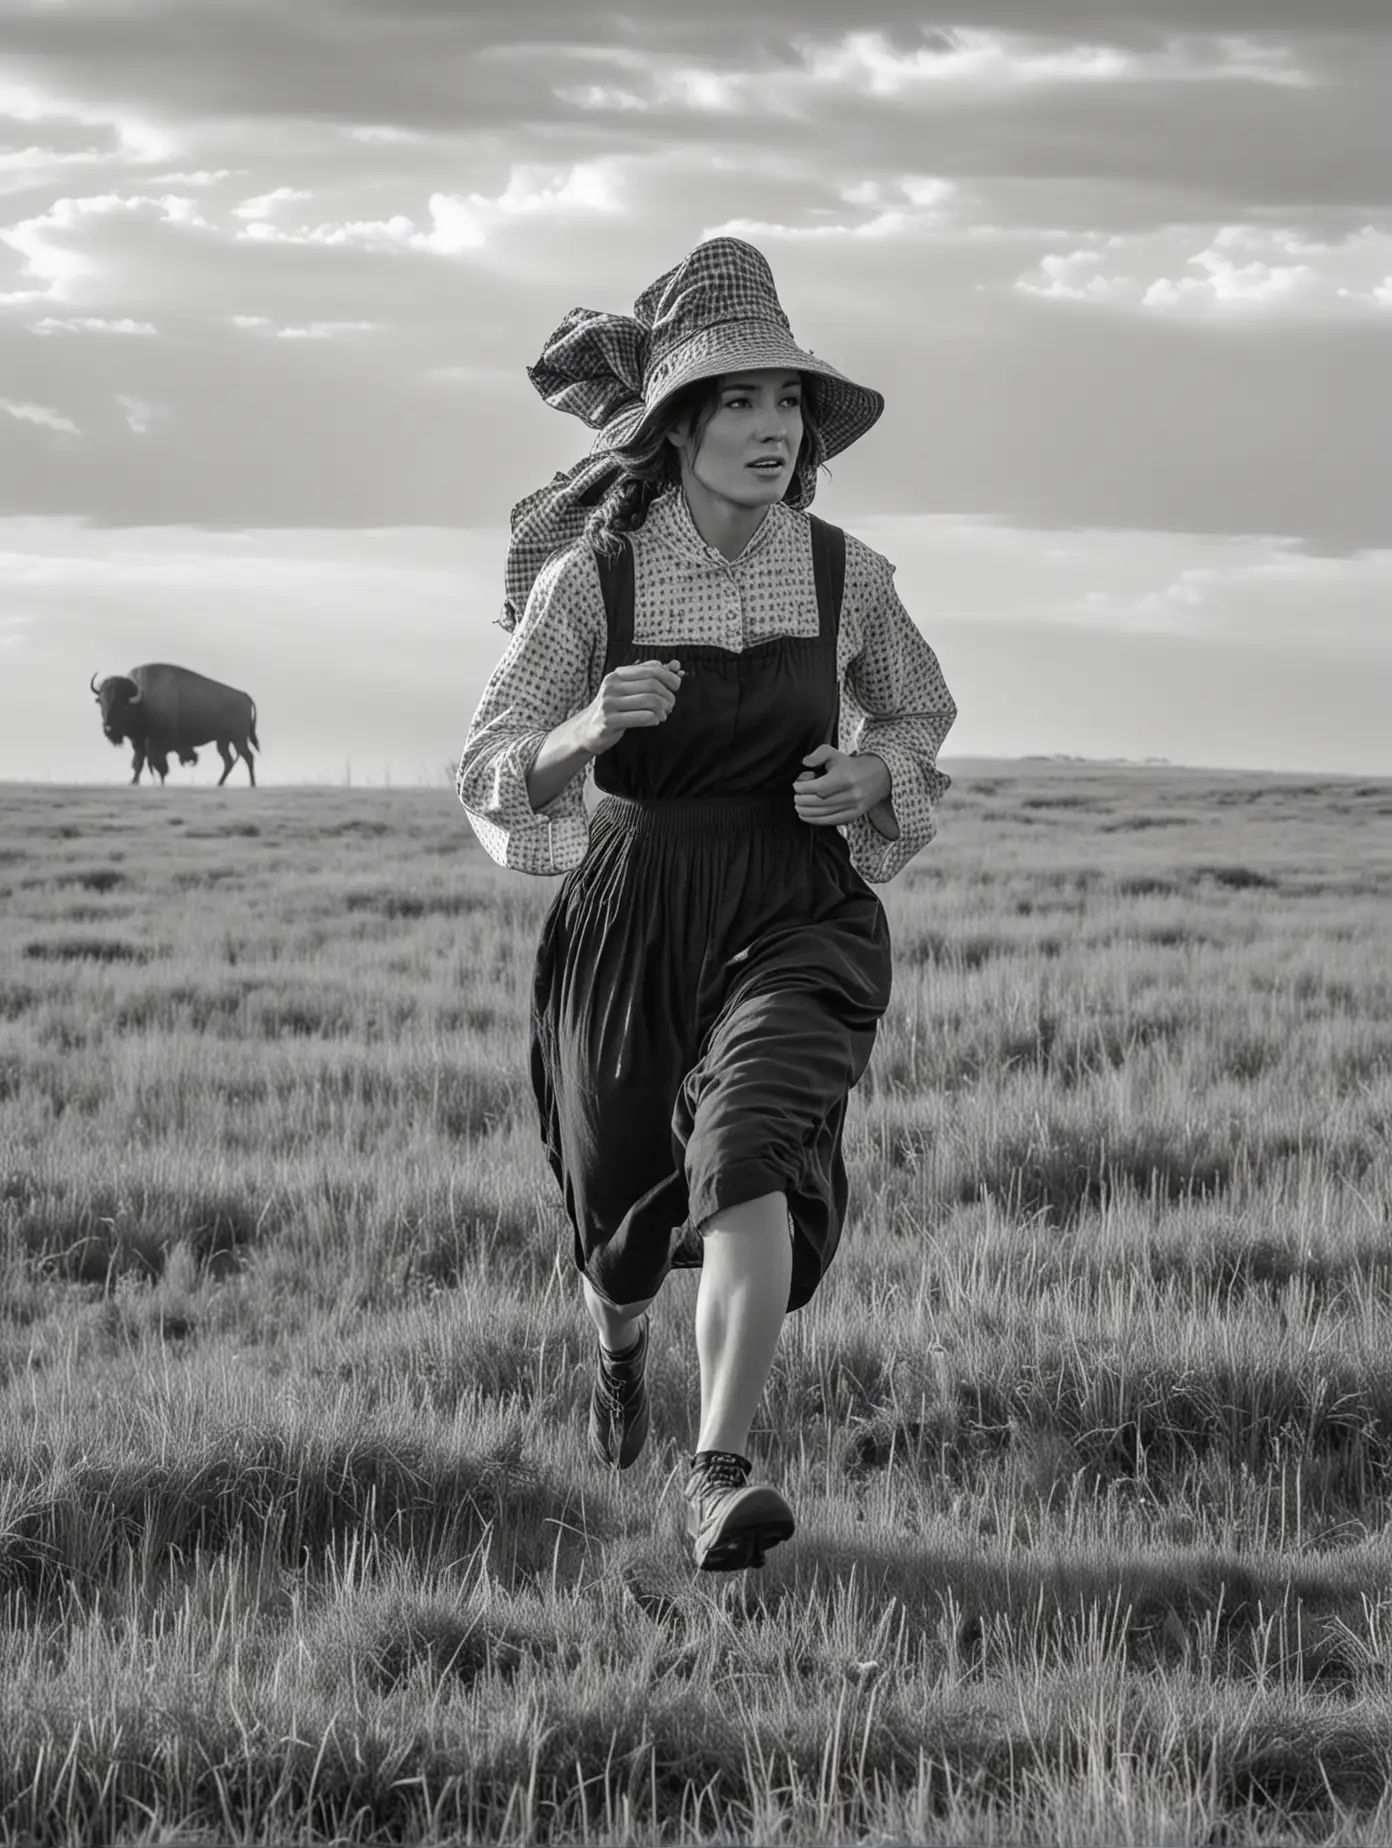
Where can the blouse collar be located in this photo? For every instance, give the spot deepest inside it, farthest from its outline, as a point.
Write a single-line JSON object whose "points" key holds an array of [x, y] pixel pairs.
{"points": [[669, 518]]}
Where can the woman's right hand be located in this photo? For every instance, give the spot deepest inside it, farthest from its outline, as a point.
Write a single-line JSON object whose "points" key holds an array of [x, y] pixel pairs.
{"points": [[642, 694]]}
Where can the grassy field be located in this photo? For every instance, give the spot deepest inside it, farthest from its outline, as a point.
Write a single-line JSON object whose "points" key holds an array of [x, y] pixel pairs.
{"points": [[1089, 1431]]}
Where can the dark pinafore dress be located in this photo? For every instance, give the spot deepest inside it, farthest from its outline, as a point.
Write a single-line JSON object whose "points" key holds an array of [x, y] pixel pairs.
{"points": [[710, 978]]}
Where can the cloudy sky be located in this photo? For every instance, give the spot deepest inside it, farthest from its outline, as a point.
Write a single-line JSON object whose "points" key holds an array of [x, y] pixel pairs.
{"points": [[270, 275]]}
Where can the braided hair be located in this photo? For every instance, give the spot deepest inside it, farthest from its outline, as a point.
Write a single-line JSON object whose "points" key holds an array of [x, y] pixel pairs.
{"points": [[652, 465]]}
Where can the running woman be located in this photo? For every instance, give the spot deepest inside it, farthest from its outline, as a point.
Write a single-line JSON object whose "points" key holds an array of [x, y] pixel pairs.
{"points": [[762, 720]]}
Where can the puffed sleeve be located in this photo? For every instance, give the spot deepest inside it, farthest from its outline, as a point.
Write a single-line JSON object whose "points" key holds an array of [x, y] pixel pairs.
{"points": [[895, 704], [552, 667]]}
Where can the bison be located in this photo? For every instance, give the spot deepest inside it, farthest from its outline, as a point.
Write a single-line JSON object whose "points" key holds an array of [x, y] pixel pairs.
{"points": [[160, 709]]}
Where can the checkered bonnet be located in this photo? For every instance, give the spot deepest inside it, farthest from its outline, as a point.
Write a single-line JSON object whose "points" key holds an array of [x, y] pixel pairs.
{"points": [[716, 311], [719, 312]]}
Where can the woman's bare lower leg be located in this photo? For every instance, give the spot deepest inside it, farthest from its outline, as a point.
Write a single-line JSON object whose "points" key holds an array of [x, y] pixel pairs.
{"points": [[746, 1269], [618, 1327]]}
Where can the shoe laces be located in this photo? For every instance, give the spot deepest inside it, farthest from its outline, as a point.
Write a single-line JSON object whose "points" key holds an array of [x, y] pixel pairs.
{"points": [[618, 1383], [616, 1394], [720, 1469]]}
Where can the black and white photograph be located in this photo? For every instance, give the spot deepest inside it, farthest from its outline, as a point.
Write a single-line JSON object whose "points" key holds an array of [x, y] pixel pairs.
{"points": [[696, 923]]}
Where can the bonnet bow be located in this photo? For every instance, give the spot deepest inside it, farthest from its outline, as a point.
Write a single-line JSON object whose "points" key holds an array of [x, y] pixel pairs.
{"points": [[593, 367]]}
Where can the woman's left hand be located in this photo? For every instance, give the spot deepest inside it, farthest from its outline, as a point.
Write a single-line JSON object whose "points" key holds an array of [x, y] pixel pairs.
{"points": [[849, 786]]}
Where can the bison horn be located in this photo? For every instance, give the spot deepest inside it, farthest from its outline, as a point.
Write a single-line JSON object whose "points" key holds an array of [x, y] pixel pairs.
{"points": [[93, 684], [134, 699]]}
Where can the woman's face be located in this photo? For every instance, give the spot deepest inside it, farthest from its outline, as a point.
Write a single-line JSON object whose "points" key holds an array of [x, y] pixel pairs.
{"points": [[747, 451]]}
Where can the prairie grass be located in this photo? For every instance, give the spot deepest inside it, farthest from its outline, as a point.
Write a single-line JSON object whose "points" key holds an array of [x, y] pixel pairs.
{"points": [[1089, 1431]]}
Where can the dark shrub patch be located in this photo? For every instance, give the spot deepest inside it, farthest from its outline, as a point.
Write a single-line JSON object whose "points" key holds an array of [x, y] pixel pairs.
{"points": [[392, 904], [1137, 824], [93, 879], [1228, 1272], [86, 949], [476, 1019], [357, 826], [189, 879], [311, 1017], [1238, 878], [1060, 1170], [1145, 885], [301, 1498], [88, 1235], [935, 947], [469, 1101], [440, 1641], [1058, 802], [1174, 936], [17, 998], [481, 1235], [182, 1003]]}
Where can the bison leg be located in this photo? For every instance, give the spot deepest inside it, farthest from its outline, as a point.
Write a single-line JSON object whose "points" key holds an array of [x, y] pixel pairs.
{"points": [[137, 763], [225, 753], [251, 767]]}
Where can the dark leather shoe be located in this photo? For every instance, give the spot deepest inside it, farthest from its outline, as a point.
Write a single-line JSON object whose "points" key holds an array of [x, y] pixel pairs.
{"points": [[732, 1523], [619, 1406]]}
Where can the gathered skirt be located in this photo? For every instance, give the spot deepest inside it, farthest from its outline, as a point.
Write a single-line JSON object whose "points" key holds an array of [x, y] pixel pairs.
{"points": [[707, 990]]}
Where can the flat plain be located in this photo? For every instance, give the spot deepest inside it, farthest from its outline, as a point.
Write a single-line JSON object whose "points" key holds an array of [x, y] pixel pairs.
{"points": [[1089, 1430]]}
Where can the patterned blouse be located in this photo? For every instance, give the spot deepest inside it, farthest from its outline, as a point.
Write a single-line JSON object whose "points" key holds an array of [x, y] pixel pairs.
{"points": [[894, 700]]}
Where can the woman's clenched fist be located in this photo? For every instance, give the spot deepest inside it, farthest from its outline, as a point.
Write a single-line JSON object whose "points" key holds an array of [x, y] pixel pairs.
{"points": [[642, 694]]}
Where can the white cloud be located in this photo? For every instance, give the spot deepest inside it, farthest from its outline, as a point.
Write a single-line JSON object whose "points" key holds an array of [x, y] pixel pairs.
{"points": [[1225, 283], [914, 203], [137, 140], [382, 134], [925, 192], [967, 57], [311, 330], [90, 324], [713, 92], [602, 97], [364, 233], [1257, 59], [324, 330], [42, 240], [532, 190], [181, 211], [22, 169], [49, 263], [1074, 277], [951, 59], [39, 414], [264, 204], [201, 176], [658, 83], [141, 414], [461, 222], [1220, 270], [866, 61]]}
